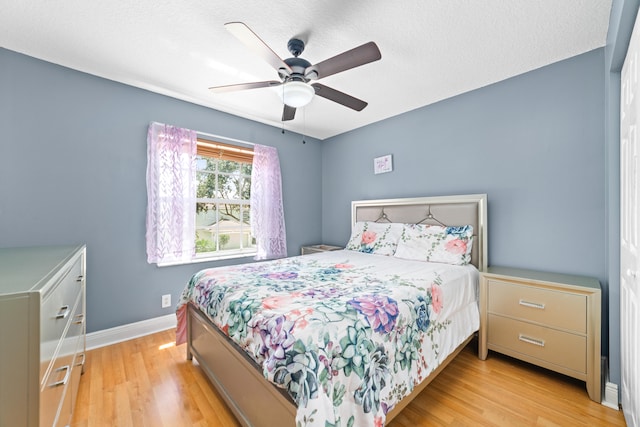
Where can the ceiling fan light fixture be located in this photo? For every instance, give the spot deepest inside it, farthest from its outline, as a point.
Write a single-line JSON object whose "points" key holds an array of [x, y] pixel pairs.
{"points": [[296, 94]]}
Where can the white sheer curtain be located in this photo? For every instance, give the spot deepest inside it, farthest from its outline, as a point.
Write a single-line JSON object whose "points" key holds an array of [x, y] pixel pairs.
{"points": [[267, 214], [171, 193]]}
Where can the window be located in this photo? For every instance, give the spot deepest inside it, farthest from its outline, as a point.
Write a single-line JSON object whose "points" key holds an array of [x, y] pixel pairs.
{"points": [[233, 193], [223, 193]]}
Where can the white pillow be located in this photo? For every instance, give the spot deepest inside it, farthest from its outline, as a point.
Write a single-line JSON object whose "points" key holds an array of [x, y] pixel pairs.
{"points": [[375, 237], [435, 243]]}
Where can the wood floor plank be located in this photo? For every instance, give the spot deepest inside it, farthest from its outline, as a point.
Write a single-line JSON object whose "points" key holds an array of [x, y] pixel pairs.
{"points": [[148, 382]]}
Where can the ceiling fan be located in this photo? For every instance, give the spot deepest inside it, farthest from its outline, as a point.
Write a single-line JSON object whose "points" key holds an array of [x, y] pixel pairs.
{"points": [[295, 73]]}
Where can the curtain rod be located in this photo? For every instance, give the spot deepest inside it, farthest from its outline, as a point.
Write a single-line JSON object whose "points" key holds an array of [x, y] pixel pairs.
{"points": [[239, 141]]}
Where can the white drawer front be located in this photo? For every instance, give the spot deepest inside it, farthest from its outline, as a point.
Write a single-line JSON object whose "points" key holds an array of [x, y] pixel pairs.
{"points": [[77, 370], [559, 348], [53, 389], [57, 388], [67, 343], [56, 311], [557, 309]]}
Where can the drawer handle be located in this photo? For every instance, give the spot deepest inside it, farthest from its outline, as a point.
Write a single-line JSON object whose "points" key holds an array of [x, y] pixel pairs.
{"points": [[529, 340], [83, 359], [63, 381], [64, 312], [80, 320], [532, 304]]}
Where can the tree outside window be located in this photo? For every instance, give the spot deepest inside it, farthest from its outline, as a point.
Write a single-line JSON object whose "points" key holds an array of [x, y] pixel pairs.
{"points": [[222, 206]]}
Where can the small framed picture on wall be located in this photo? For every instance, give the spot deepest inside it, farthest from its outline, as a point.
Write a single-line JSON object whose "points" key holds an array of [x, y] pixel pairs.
{"points": [[383, 164]]}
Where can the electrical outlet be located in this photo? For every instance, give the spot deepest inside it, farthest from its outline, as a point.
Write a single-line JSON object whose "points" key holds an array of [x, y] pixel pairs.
{"points": [[166, 301]]}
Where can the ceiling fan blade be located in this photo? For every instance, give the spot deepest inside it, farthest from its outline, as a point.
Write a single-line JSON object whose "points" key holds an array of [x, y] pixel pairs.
{"points": [[353, 58], [339, 97], [255, 43], [288, 113], [244, 86]]}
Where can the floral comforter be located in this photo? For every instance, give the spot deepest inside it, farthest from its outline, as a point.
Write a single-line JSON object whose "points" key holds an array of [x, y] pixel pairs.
{"points": [[347, 334]]}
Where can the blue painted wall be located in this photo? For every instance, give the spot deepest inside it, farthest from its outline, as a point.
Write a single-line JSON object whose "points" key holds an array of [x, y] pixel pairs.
{"points": [[72, 169], [533, 143]]}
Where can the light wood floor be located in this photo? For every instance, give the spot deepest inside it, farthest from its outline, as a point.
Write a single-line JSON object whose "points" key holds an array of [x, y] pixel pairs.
{"points": [[149, 382]]}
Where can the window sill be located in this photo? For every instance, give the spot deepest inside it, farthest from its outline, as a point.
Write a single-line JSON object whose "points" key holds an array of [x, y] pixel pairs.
{"points": [[208, 258]]}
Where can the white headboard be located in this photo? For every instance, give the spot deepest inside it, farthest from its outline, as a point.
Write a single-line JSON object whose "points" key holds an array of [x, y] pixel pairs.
{"points": [[468, 209]]}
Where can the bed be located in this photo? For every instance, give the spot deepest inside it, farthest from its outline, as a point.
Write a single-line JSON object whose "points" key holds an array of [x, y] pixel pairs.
{"points": [[348, 337]]}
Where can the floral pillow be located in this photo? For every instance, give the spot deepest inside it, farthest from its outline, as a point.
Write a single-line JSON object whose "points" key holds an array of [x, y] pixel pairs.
{"points": [[434, 243], [375, 238]]}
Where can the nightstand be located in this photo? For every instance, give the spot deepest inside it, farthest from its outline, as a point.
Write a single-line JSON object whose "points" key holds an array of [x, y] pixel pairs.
{"points": [[312, 249], [550, 320]]}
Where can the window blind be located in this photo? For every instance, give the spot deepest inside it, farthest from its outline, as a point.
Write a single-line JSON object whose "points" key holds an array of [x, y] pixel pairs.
{"points": [[220, 150]]}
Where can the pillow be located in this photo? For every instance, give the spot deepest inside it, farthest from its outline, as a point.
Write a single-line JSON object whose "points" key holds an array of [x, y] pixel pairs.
{"points": [[435, 243], [375, 237]]}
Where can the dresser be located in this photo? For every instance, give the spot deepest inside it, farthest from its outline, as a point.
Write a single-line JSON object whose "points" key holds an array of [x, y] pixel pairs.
{"points": [[42, 334], [550, 320]]}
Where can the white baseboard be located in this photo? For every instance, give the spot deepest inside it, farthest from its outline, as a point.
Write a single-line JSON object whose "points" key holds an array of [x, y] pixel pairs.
{"points": [[611, 396], [132, 330]]}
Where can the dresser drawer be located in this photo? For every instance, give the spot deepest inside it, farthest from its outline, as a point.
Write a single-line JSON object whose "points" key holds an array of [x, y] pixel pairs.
{"points": [[556, 309], [57, 389], [559, 348], [71, 395], [56, 310], [67, 343], [53, 389], [77, 370]]}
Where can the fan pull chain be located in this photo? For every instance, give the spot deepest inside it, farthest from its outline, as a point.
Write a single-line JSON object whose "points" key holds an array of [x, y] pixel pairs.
{"points": [[282, 118], [304, 124]]}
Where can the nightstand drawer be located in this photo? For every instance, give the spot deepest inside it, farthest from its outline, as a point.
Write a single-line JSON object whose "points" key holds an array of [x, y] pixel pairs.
{"points": [[548, 307], [559, 348]]}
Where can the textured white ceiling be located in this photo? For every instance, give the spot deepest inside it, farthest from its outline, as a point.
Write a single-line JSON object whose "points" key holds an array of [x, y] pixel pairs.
{"points": [[431, 50]]}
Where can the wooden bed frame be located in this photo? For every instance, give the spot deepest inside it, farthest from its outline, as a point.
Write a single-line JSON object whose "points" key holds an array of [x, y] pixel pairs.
{"points": [[258, 403]]}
